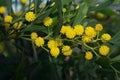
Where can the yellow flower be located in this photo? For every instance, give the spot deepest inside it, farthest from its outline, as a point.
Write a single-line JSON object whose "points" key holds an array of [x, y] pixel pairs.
{"points": [[64, 29], [2, 9], [24, 1], [104, 50], [47, 21], [8, 19], [100, 15], [88, 55], [34, 35], [79, 29], [17, 25], [90, 31], [54, 51], [52, 43], [86, 39], [64, 10], [66, 50], [30, 16], [2, 46], [70, 33], [32, 5], [39, 41], [105, 37], [98, 27]]}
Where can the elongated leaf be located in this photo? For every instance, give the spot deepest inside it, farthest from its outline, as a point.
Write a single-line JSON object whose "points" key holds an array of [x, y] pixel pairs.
{"points": [[116, 39], [115, 59], [102, 5], [81, 13], [36, 28]]}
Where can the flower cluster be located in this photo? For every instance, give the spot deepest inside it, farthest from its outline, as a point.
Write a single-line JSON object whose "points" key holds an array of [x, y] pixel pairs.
{"points": [[77, 34]]}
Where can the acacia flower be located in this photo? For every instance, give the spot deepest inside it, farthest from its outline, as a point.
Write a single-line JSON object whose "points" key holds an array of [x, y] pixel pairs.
{"points": [[90, 31], [66, 50], [104, 50], [88, 55], [48, 21], [105, 37], [39, 41], [79, 29], [30, 16], [54, 51], [8, 19], [34, 35], [2, 9], [98, 27]]}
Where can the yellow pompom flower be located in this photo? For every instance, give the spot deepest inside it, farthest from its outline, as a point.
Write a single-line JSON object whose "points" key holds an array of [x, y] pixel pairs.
{"points": [[70, 33], [100, 15], [17, 25], [66, 50], [88, 55], [79, 29], [64, 10], [34, 35], [104, 50], [24, 1], [2, 9], [90, 31], [39, 41], [105, 37], [86, 39], [48, 21], [8, 19], [30, 16], [54, 51], [2, 46], [98, 27], [32, 5], [52, 43], [64, 29]]}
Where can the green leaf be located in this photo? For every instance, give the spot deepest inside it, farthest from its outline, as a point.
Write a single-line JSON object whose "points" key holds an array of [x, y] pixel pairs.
{"points": [[3, 2], [116, 39], [20, 68], [116, 59], [81, 13], [108, 12], [66, 1], [36, 28], [102, 5]]}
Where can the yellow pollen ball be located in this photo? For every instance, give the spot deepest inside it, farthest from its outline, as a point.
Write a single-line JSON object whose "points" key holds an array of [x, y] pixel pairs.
{"points": [[2, 9], [64, 29], [8, 19], [24, 1], [104, 50], [48, 21], [39, 41], [70, 33], [30, 16], [54, 52], [34, 35], [98, 27], [79, 29], [105, 37], [66, 50], [52, 43], [88, 55], [100, 15], [86, 39], [64, 10], [90, 31]]}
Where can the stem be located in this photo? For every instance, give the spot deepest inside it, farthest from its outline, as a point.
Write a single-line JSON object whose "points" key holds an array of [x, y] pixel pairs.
{"points": [[35, 52]]}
